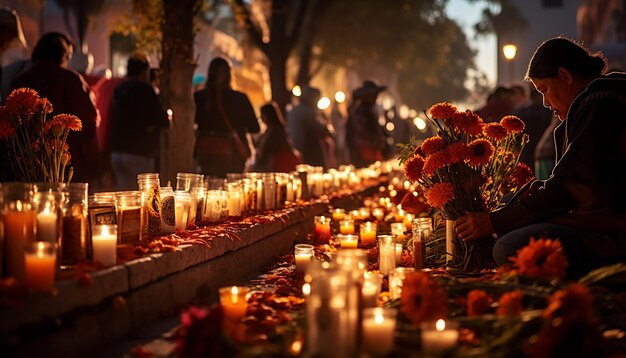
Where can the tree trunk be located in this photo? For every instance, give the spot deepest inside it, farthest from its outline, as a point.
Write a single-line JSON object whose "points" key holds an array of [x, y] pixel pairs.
{"points": [[310, 25], [278, 79], [177, 67]]}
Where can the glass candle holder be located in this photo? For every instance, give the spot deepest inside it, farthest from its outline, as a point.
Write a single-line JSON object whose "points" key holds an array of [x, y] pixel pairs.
{"points": [[48, 205], [346, 227], [338, 214], [213, 207], [321, 233], [19, 220], [303, 254], [379, 213], [398, 229], [348, 241], [234, 302], [408, 221], [386, 254], [149, 185], [168, 210], [371, 288], [129, 215], [439, 337], [396, 279], [40, 266], [182, 205], [368, 233], [104, 243], [75, 245], [234, 199], [379, 325]]}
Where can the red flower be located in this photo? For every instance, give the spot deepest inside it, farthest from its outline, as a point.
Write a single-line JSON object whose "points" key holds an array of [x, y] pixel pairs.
{"points": [[457, 152], [442, 110], [512, 124], [432, 145], [422, 298], [413, 168], [543, 258], [68, 121], [479, 153], [439, 194], [495, 131], [468, 122], [521, 175], [23, 102], [45, 106], [6, 129], [510, 304], [573, 304], [478, 302]]}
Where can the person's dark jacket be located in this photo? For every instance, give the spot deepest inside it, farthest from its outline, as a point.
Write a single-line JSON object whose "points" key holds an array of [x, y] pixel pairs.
{"points": [[136, 118], [307, 134], [587, 188], [537, 118], [365, 138]]}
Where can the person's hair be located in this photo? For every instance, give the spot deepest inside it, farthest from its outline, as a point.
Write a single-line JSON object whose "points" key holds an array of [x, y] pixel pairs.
{"points": [[272, 115], [561, 52], [137, 64], [218, 65], [53, 46]]}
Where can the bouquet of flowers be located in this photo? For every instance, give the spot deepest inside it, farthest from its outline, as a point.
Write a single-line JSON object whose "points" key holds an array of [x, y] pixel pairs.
{"points": [[37, 147], [469, 166]]}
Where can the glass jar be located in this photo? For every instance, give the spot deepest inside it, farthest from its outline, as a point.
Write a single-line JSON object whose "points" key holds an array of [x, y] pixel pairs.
{"points": [[422, 228], [386, 254], [75, 245], [48, 200], [234, 198], [199, 192], [129, 216], [149, 185], [214, 203], [396, 278], [102, 211], [19, 219], [269, 192], [302, 171], [183, 204], [168, 210], [321, 233]]}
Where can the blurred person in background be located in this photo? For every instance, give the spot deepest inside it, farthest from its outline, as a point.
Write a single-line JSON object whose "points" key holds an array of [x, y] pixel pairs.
{"points": [[306, 129], [274, 152]]}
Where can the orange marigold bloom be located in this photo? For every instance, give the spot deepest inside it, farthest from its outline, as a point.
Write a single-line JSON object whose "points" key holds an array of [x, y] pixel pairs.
{"points": [[442, 110], [543, 258], [574, 303], [68, 121], [457, 152], [521, 175], [6, 129], [413, 168], [479, 152], [422, 298], [44, 106], [495, 131], [512, 124], [478, 302], [468, 122], [432, 145], [437, 161], [23, 102], [439, 194], [510, 304]]}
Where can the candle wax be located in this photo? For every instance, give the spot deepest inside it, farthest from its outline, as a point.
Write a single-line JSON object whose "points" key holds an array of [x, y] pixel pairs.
{"points": [[378, 335], [40, 268]]}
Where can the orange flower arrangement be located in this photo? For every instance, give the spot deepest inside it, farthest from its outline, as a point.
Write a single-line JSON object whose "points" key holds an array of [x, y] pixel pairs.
{"points": [[495, 131], [478, 302], [432, 145], [510, 304], [413, 168], [37, 145], [543, 258], [442, 110], [422, 298], [439, 194], [512, 124], [467, 122], [479, 153]]}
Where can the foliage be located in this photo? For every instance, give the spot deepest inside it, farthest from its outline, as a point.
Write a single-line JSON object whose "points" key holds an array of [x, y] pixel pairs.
{"points": [[501, 17], [144, 24], [37, 146]]}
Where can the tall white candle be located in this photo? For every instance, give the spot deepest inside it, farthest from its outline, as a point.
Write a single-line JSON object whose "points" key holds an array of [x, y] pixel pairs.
{"points": [[386, 254], [378, 329], [105, 245], [47, 226], [234, 203]]}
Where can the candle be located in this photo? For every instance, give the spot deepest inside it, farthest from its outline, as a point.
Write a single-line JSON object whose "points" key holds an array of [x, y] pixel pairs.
{"points": [[303, 254], [364, 213], [368, 233], [386, 253], [234, 302], [40, 265], [346, 227], [348, 241], [19, 228], [408, 221], [339, 214], [47, 225], [398, 229], [396, 279], [379, 325], [379, 213], [371, 288], [182, 204], [321, 235], [439, 337], [398, 254], [234, 200], [105, 244]]}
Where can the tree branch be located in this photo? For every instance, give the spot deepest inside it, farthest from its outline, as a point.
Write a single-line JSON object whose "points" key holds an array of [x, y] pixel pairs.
{"points": [[298, 20], [243, 14]]}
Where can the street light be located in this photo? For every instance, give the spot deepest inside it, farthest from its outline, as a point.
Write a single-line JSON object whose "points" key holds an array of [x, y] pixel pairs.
{"points": [[509, 51]]}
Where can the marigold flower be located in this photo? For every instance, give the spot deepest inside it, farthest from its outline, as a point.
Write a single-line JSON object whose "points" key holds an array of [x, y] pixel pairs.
{"points": [[573, 303], [6, 129], [436, 161], [543, 258], [495, 131], [44, 106], [433, 144], [457, 152], [68, 121], [23, 102], [413, 168], [479, 152], [422, 298], [521, 175], [512, 124], [478, 302], [439, 194], [467, 122], [510, 304], [442, 110]]}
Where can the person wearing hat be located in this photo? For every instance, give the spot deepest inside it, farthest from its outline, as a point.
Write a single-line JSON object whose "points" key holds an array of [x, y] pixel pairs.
{"points": [[11, 34], [365, 138]]}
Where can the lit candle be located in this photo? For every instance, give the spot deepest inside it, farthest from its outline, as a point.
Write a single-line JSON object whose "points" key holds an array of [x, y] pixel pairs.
{"points": [[398, 229], [408, 221], [349, 241], [182, 204], [371, 288], [234, 302], [321, 235], [40, 264], [346, 227], [339, 214], [378, 213], [47, 225], [19, 228], [368, 233], [234, 201], [364, 213], [386, 253], [105, 244], [439, 337], [396, 279], [379, 325], [303, 254], [398, 254]]}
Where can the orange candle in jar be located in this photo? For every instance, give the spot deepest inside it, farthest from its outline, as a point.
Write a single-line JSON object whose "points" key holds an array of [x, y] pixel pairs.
{"points": [[234, 302], [339, 214], [368, 233], [40, 265], [346, 227], [321, 235]]}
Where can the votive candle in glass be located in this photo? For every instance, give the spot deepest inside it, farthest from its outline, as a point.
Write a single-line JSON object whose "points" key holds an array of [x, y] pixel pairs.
{"points": [[303, 254], [234, 302], [386, 253], [321, 235], [398, 254], [339, 214], [396, 279], [40, 266], [439, 337], [398, 229], [104, 243], [378, 213], [368, 233], [346, 227], [408, 221], [379, 325], [371, 288], [348, 241], [182, 205]]}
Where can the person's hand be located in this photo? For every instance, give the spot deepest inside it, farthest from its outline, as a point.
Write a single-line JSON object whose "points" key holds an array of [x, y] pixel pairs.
{"points": [[473, 226]]}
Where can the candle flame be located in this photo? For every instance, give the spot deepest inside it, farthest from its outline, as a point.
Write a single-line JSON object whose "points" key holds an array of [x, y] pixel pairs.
{"points": [[440, 325], [379, 318], [104, 231], [234, 290], [306, 289], [40, 249]]}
